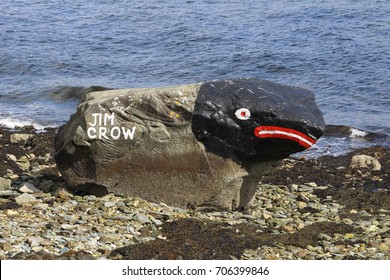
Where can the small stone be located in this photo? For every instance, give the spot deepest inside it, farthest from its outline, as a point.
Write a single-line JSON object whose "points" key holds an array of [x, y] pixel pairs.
{"points": [[353, 211], [303, 198], [111, 237], [157, 222], [23, 159], [162, 237], [41, 206], [384, 247], [47, 186], [141, 218], [305, 188], [64, 250], [144, 231], [13, 176], [288, 229], [25, 198], [347, 221], [109, 204], [29, 188], [364, 161], [335, 249], [90, 197], [37, 249], [91, 211], [5, 184], [11, 157], [71, 244], [248, 217], [6, 246], [311, 184], [325, 237], [372, 228], [31, 156], [63, 194], [349, 235], [19, 137], [301, 204], [313, 248], [267, 216], [35, 241], [23, 163], [374, 244], [302, 253], [160, 215], [301, 225], [8, 193], [11, 213], [68, 226], [120, 204]]}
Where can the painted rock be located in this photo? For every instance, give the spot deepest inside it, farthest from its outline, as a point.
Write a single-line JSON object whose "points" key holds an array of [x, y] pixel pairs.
{"points": [[199, 145]]}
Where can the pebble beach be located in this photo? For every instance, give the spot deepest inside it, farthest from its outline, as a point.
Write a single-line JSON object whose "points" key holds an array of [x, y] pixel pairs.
{"points": [[324, 208]]}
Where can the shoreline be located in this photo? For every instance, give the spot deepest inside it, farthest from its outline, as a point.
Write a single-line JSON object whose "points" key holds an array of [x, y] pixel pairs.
{"points": [[305, 209]]}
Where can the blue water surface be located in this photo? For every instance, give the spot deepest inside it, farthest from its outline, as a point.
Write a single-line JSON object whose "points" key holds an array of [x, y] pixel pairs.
{"points": [[338, 49]]}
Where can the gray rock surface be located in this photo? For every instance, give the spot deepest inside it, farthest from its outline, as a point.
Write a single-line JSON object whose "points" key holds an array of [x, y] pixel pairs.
{"points": [[25, 198], [5, 184], [364, 161], [141, 142], [19, 137], [28, 188]]}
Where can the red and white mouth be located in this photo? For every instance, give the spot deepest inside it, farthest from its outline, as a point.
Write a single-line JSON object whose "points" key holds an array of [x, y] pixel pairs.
{"points": [[285, 133]]}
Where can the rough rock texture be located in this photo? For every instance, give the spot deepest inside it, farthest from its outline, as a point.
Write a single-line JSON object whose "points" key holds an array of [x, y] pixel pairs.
{"points": [[195, 145], [314, 209], [364, 161], [5, 184], [19, 137]]}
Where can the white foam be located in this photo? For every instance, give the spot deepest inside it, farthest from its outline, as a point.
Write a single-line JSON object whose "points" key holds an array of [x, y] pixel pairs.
{"points": [[11, 123], [357, 133]]}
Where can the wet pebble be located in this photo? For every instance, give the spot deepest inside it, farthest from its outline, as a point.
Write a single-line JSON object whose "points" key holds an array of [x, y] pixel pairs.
{"points": [[59, 222]]}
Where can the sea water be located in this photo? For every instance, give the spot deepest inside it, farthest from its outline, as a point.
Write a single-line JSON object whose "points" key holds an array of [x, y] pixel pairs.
{"points": [[52, 51]]}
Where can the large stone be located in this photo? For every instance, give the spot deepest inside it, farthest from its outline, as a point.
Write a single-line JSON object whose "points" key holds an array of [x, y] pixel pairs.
{"points": [[5, 184], [364, 161], [23, 163], [20, 137], [205, 144], [25, 198], [28, 188]]}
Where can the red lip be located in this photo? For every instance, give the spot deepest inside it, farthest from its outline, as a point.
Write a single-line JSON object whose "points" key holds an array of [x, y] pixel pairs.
{"points": [[285, 133]]}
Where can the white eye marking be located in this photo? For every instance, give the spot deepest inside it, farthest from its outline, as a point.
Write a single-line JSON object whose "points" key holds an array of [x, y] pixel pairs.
{"points": [[243, 114]]}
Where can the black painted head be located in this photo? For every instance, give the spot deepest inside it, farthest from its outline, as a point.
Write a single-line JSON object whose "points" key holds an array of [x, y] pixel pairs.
{"points": [[251, 119]]}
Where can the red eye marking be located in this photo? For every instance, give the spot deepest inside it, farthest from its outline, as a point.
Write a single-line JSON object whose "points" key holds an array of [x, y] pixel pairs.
{"points": [[285, 133], [243, 114]]}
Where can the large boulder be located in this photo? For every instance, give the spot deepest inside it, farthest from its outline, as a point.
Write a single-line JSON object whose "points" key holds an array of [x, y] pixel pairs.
{"points": [[198, 145]]}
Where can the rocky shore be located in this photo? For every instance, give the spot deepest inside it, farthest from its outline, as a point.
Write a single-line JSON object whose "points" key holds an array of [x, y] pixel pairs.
{"points": [[325, 208]]}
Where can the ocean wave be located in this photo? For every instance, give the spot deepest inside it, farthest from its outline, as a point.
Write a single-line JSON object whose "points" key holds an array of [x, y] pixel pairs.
{"points": [[342, 139], [13, 123]]}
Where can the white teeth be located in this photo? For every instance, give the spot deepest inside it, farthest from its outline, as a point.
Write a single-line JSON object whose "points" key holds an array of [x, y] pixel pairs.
{"points": [[243, 114]]}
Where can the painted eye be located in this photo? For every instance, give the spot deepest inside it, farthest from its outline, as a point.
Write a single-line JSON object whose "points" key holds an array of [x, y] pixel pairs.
{"points": [[243, 114]]}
